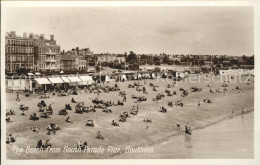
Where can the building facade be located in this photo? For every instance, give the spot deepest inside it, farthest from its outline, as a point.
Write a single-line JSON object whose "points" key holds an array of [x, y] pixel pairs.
{"points": [[69, 62], [86, 53], [33, 52], [76, 58], [110, 58]]}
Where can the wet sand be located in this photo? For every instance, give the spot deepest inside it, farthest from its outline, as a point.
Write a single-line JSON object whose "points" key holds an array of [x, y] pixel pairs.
{"points": [[233, 138]]}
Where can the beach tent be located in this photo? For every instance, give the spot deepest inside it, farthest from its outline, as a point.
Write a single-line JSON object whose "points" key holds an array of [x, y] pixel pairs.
{"points": [[107, 78], [123, 77], [153, 75], [138, 76]]}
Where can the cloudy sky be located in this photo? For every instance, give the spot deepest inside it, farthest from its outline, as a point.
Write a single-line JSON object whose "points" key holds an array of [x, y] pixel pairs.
{"points": [[174, 30]]}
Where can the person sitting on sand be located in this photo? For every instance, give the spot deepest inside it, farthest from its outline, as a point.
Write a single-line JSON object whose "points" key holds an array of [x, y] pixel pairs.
{"points": [[85, 144], [8, 119], [68, 119], [79, 145], [35, 129], [99, 136], [39, 144], [73, 101], [47, 143], [10, 139], [23, 114]]}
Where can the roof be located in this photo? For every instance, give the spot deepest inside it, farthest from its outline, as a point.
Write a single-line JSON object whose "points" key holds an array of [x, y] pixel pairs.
{"points": [[81, 58], [68, 58]]}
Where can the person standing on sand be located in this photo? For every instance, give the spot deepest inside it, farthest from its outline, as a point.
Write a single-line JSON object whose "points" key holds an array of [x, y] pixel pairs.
{"points": [[53, 100], [186, 130], [17, 97], [243, 111], [198, 103], [178, 126], [124, 100]]}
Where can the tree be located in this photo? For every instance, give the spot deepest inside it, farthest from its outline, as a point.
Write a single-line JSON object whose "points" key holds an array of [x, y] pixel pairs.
{"points": [[201, 62], [156, 60], [176, 62], [133, 66], [251, 61], [131, 57], [165, 59]]}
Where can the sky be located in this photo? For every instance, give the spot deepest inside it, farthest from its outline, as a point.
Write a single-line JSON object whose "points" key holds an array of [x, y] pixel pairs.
{"points": [[155, 30]]}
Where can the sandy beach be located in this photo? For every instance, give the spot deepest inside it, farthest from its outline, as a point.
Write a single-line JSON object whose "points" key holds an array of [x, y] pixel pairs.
{"points": [[132, 133]]}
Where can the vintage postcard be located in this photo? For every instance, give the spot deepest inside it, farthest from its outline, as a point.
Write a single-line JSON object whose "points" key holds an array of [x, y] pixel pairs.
{"points": [[138, 82]]}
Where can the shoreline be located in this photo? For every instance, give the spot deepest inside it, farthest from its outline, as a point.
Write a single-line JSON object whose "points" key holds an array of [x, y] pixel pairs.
{"points": [[169, 139], [164, 139]]}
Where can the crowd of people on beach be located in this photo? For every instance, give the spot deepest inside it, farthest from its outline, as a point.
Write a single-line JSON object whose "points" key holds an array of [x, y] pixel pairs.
{"points": [[105, 106]]}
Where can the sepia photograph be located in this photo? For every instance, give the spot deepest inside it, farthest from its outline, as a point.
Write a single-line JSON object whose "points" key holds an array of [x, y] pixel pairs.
{"points": [[128, 81]]}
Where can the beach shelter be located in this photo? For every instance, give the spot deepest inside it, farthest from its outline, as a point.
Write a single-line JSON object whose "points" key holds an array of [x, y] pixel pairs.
{"points": [[66, 82], [42, 82], [56, 80], [74, 80], [86, 80], [65, 79]]}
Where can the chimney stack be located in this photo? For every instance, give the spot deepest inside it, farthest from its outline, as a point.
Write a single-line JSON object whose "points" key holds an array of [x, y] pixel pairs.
{"points": [[42, 36], [31, 35], [24, 35], [52, 37], [13, 33]]}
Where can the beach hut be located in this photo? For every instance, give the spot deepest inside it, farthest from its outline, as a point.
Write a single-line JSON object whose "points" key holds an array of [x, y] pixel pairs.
{"points": [[123, 77]]}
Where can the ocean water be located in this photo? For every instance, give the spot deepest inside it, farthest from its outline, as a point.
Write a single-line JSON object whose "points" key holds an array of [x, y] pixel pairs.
{"points": [[229, 139]]}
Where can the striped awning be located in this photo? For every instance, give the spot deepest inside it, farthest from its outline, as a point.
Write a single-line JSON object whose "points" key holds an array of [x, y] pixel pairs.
{"points": [[65, 79], [74, 79], [42, 81], [87, 80], [56, 80]]}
